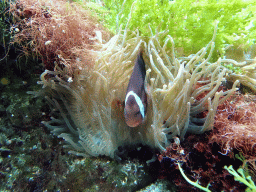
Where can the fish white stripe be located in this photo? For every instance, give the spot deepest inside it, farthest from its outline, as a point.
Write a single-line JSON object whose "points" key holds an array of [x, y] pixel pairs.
{"points": [[138, 101]]}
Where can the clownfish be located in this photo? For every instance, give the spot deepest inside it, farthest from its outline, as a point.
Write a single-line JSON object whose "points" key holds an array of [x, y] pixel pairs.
{"points": [[135, 106]]}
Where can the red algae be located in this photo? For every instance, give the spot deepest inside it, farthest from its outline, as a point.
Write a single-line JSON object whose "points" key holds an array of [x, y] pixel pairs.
{"points": [[235, 125], [204, 156], [57, 31]]}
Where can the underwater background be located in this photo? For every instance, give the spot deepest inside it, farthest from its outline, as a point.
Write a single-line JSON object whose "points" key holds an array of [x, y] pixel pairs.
{"points": [[53, 52]]}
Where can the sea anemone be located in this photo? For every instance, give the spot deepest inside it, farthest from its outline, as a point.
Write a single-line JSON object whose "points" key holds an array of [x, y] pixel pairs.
{"points": [[89, 103]]}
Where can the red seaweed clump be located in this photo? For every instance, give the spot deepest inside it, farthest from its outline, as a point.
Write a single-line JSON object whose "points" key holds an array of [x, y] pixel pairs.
{"points": [[235, 126], [200, 161], [56, 31], [204, 156]]}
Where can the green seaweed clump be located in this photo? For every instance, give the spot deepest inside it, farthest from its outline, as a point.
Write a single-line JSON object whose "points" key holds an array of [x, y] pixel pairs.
{"points": [[190, 22], [240, 176]]}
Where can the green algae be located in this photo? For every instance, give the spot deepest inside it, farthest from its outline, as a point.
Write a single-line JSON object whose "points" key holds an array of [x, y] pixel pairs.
{"points": [[241, 176], [190, 23]]}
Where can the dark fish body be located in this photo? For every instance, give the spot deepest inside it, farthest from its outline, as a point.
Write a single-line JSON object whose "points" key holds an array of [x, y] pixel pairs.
{"points": [[136, 98]]}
